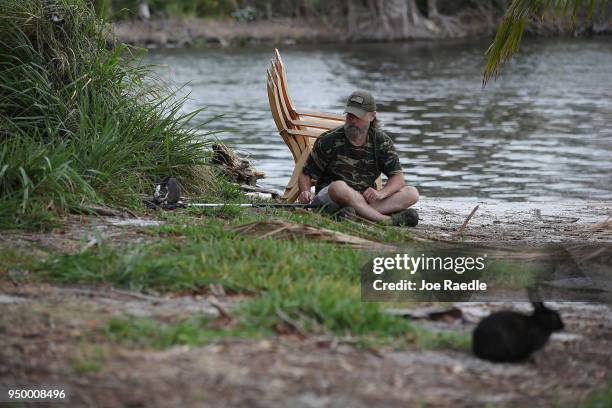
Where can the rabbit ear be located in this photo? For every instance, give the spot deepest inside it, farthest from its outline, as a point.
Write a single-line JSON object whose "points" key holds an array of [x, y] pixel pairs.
{"points": [[533, 294], [538, 305]]}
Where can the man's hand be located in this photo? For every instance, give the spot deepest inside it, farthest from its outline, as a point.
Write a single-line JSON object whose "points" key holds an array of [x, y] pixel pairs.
{"points": [[372, 195], [305, 197]]}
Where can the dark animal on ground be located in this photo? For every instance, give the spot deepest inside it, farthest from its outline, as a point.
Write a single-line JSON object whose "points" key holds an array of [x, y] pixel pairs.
{"points": [[506, 336]]}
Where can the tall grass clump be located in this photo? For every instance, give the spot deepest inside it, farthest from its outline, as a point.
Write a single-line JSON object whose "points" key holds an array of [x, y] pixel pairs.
{"points": [[79, 120]]}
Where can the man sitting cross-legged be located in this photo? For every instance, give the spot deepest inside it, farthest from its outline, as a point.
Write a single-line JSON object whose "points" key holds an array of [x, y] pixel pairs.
{"points": [[346, 162]]}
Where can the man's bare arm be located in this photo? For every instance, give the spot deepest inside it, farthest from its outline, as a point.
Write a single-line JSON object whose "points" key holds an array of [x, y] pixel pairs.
{"points": [[394, 184], [304, 184]]}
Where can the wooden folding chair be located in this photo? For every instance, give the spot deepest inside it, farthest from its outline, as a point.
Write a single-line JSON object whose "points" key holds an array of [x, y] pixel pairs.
{"points": [[298, 129]]}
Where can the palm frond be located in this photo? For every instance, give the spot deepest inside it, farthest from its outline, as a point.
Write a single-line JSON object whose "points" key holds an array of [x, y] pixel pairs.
{"points": [[510, 30]]}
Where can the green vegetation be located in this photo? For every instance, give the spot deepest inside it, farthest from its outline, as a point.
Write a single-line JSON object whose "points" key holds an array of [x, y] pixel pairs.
{"points": [[16, 258], [504, 273], [199, 330], [79, 123], [600, 399], [510, 31], [209, 255], [314, 286], [89, 358], [292, 284], [193, 331]]}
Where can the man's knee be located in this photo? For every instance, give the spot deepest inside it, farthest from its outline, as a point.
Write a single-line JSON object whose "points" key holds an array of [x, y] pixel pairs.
{"points": [[340, 192], [410, 195]]}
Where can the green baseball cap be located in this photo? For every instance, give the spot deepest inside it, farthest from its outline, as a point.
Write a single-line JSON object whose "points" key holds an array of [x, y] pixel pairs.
{"points": [[360, 103]]}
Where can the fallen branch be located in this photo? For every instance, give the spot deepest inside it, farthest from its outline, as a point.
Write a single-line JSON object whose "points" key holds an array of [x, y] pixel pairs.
{"points": [[288, 230], [237, 168]]}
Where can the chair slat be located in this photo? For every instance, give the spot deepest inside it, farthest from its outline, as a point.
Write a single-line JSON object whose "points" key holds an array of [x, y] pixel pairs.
{"points": [[307, 133], [324, 115], [294, 147], [292, 190], [315, 124], [299, 144]]}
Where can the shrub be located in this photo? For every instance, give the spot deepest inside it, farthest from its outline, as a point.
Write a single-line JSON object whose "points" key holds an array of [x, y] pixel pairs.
{"points": [[80, 121]]}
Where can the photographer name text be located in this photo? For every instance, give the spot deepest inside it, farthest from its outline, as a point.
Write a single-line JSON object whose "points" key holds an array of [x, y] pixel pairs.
{"points": [[447, 284]]}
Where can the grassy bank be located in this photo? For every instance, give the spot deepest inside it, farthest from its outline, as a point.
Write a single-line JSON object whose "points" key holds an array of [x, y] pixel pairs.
{"points": [[80, 123], [315, 285], [282, 286]]}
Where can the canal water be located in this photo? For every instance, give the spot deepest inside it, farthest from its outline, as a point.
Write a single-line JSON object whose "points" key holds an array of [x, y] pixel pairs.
{"points": [[541, 133]]}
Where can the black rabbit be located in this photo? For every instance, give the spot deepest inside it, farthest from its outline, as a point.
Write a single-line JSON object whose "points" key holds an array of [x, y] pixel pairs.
{"points": [[513, 336]]}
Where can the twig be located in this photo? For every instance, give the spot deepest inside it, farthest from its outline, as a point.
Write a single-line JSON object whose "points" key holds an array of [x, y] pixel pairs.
{"points": [[538, 214], [294, 325], [276, 231], [222, 312], [110, 293], [469, 217], [366, 221], [130, 212], [138, 295]]}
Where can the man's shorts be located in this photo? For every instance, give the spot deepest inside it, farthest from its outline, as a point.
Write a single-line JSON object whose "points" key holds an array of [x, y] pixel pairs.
{"points": [[323, 199]]}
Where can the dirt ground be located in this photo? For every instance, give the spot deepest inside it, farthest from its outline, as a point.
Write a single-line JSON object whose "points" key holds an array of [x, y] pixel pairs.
{"points": [[42, 342], [45, 335]]}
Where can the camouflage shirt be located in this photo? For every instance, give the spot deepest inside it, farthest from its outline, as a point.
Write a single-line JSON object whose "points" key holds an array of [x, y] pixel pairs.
{"points": [[333, 158]]}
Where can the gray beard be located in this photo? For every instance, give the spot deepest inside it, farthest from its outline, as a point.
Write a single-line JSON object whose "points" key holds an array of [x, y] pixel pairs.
{"points": [[354, 133]]}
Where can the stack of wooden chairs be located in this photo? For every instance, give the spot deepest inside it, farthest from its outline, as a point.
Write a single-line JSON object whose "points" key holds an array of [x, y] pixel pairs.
{"points": [[299, 129]]}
